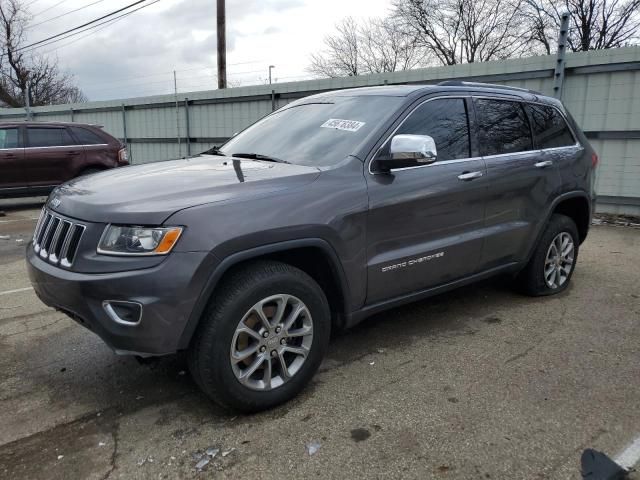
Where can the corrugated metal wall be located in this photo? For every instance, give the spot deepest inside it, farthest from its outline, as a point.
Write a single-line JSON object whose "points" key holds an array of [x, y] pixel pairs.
{"points": [[601, 90]]}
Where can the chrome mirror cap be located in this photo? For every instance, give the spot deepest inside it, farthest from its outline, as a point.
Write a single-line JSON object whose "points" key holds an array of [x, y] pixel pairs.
{"points": [[421, 148]]}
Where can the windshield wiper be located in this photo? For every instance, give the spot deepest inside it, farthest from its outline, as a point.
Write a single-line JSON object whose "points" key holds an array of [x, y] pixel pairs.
{"points": [[213, 151], [257, 156]]}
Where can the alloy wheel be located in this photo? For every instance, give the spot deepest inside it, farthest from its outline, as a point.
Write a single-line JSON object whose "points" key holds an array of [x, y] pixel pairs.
{"points": [[559, 261], [271, 342]]}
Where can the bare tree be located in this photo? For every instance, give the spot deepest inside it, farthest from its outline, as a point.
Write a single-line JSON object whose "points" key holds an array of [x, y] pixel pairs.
{"points": [[20, 67], [594, 24], [385, 47], [340, 58], [541, 27], [375, 46], [464, 31]]}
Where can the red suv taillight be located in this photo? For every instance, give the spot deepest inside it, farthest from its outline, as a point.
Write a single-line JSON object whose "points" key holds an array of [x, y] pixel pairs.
{"points": [[594, 160], [123, 155]]}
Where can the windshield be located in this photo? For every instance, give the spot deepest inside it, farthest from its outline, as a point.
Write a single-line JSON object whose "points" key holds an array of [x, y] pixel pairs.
{"points": [[318, 134]]}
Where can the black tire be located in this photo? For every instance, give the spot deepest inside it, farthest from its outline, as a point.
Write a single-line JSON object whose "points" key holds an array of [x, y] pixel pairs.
{"points": [[531, 280], [209, 352]]}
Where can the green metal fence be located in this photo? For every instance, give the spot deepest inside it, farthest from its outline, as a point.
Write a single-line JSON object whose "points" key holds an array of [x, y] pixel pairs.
{"points": [[601, 90]]}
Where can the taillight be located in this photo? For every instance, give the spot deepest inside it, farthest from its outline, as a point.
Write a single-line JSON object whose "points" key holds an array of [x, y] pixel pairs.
{"points": [[123, 155], [594, 160]]}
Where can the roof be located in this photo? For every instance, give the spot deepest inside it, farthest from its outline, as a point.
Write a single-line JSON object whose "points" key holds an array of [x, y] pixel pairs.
{"points": [[44, 124], [447, 86]]}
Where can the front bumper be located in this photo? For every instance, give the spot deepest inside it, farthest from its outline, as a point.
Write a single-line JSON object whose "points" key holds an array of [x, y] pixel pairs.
{"points": [[167, 293]]}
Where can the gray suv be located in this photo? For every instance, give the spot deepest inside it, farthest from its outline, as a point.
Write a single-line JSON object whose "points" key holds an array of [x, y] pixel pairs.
{"points": [[331, 209]]}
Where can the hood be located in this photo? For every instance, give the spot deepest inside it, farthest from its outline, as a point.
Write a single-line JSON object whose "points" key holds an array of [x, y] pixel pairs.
{"points": [[150, 193]]}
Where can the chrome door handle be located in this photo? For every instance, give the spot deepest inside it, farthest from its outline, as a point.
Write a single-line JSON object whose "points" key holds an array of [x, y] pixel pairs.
{"points": [[546, 163], [469, 176]]}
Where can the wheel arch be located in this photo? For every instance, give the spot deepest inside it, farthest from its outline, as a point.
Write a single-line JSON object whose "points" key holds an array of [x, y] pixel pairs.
{"points": [[578, 209], [564, 204], [314, 256]]}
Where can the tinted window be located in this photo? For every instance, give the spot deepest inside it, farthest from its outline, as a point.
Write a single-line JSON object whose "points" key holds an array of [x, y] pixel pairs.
{"points": [[444, 120], [322, 132], [9, 138], [549, 128], [504, 127], [49, 137], [87, 137]]}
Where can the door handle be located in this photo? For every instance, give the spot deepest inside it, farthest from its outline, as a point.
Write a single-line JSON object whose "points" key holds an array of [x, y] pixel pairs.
{"points": [[545, 164], [466, 176], [73, 154]]}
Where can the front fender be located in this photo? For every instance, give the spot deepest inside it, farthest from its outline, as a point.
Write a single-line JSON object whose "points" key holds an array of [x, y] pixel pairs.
{"points": [[253, 253]]}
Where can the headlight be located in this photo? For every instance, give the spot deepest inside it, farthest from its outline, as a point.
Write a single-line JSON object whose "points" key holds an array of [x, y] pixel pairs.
{"points": [[125, 240]]}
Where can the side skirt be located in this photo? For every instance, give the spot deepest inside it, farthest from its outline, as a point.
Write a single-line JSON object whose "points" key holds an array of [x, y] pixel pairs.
{"points": [[359, 315]]}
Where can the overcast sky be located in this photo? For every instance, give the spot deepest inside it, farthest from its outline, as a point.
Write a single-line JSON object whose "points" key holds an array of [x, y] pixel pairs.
{"points": [[136, 55]]}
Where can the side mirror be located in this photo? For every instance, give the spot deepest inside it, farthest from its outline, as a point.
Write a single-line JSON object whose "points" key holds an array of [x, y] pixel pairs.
{"points": [[408, 151]]}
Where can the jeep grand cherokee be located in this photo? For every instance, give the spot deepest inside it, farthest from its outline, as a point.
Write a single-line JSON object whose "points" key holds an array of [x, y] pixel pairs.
{"points": [[324, 212]]}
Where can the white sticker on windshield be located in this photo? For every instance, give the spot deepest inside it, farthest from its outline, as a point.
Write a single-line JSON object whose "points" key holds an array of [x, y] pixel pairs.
{"points": [[348, 125]]}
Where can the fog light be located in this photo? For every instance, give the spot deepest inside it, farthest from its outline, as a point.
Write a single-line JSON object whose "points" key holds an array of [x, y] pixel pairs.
{"points": [[122, 312]]}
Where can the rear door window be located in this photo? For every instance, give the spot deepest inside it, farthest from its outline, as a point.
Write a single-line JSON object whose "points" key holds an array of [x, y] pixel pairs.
{"points": [[550, 129], [504, 127], [49, 137], [445, 120], [87, 137], [9, 138]]}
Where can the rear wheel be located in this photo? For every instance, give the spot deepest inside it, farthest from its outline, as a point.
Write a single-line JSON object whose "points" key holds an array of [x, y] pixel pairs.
{"points": [[552, 264], [262, 338]]}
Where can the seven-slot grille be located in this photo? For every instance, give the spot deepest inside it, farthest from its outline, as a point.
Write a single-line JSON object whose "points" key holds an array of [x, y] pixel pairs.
{"points": [[56, 239]]}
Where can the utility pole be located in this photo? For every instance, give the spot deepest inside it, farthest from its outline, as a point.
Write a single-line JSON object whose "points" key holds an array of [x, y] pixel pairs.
{"points": [[271, 67], [222, 45], [27, 98], [27, 101]]}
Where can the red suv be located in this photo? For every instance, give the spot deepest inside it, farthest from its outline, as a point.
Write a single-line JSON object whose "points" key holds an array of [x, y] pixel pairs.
{"points": [[35, 157]]}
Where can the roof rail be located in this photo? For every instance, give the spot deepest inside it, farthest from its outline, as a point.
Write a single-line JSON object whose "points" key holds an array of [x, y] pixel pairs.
{"points": [[459, 83], [51, 122]]}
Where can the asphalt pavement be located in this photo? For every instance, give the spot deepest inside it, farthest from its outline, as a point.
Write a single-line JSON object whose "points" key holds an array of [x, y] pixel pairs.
{"points": [[477, 383]]}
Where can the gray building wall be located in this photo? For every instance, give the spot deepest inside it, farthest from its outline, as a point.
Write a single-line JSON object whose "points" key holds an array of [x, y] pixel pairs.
{"points": [[601, 90]]}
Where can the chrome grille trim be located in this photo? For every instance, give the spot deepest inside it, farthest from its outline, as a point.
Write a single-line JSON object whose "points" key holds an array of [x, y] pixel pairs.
{"points": [[38, 224], [56, 239]]}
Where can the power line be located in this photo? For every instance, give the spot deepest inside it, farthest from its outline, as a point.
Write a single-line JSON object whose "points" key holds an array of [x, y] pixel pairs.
{"points": [[158, 74], [64, 14], [166, 87], [81, 26], [47, 9], [93, 29], [181, 82]]}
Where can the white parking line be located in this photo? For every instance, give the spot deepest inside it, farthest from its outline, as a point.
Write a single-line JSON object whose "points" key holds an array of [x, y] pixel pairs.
{"points": [[8, 292], [630, 456]]}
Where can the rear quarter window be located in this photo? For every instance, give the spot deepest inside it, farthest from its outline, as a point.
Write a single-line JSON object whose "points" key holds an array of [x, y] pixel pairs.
{"points": [[550, 130], [87, 137]]}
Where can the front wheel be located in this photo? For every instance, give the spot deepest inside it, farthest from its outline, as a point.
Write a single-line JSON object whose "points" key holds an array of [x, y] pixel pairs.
{"points": [[552, 264], [262, 337]]}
